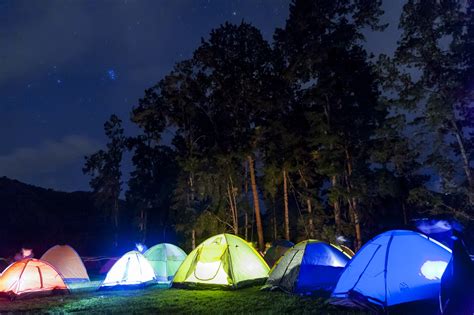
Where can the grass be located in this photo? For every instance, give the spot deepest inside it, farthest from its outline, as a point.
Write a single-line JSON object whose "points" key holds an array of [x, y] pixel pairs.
{"points": [[169, 301]]}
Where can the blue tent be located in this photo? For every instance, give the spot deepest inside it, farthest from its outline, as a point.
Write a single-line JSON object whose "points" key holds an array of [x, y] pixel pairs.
{"points": [[457, 287], [395, 267], [309, 267]]}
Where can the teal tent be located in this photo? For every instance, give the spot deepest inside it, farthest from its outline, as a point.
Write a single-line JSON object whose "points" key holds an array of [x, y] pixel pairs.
{"points": [[165, 259]]}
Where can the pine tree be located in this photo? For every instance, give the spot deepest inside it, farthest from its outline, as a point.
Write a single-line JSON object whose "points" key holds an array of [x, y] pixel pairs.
{"points": [[434, 58], [105, 168]]}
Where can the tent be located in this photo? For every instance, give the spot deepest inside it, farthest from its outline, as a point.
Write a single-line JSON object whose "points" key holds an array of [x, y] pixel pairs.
{"points": [[67, 262], [107, 265], [394, 268], [31, 277], [310, 267], [132, 269], [222, 260], [346, 250], [165, 259], [277, 250], [457, 287]]}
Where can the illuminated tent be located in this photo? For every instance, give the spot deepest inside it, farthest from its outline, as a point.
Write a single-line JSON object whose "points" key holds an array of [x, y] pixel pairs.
{"points": [[108, 265], [277, 250], [222, 260], [67, 262], [31, 277], [132, 269], [394, 268], [346, 250], [309, 267], [165, 259]]}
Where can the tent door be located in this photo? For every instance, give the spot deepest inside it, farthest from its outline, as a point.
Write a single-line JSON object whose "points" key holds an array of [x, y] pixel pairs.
{"points": [[209, 261]]}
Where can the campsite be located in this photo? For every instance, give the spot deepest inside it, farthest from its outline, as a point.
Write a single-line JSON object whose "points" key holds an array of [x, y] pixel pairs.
{"points": [[237, 156]]}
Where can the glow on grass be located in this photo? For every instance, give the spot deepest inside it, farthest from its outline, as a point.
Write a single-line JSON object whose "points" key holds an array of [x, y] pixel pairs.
{"points": [[433, 270]]}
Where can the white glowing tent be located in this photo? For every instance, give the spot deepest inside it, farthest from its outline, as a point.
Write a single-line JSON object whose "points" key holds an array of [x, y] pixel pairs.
{"points": [[131, 269]]}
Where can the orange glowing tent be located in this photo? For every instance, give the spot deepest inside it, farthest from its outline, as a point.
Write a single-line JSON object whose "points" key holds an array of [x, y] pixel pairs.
{"points": [[31, 277]]}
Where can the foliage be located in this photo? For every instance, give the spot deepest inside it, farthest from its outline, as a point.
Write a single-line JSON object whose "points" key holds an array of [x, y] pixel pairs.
{"points": [[105, 168], [311, 125]]}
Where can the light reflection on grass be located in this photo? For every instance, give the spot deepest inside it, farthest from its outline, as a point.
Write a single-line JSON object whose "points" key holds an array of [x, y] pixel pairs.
{"points": [[153, 300]]}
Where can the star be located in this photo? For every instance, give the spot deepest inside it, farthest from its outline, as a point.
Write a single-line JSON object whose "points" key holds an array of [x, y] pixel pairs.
{"points": [[111, 74], [59, 81], [234, 13]]}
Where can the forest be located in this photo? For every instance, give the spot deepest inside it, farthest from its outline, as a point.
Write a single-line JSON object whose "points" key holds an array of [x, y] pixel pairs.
{"points": [[306, 136]]}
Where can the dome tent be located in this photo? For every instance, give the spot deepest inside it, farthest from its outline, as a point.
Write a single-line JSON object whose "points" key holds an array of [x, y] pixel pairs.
{"points": [[165, 259], [224, 260], [277, 250], [396, 267], [132, 269], [29, 278], [66, 261], [309, 267], [457, 287]]}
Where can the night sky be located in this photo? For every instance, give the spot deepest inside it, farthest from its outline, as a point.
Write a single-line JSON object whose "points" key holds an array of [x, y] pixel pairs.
{"points": [[67, 65]]}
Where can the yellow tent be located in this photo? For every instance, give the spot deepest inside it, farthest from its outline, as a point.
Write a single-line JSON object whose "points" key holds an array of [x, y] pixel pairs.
{"points": [[222, 260]]}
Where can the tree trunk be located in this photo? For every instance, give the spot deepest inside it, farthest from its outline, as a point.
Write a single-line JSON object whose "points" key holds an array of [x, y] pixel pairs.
{"points": [[336, 207], [193, 238], [308, 206], [466, 164], [235, 225], [310, 218], [246, 226], [236, 212], [405, 214], [358, 232], [256, 204], [116, 223], [285, 200], [143, 224], [352, 201]]}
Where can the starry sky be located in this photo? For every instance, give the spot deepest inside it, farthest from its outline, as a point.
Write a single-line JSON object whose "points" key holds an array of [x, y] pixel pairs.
{"points": [[67, 65]]}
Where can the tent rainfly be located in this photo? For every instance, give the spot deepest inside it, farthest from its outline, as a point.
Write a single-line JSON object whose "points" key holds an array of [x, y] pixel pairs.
{"points": [[67, 262], [31, 278], [310, 267], [165, 259], [222, 260], [277, 250], [132, 269], [394, 268]]}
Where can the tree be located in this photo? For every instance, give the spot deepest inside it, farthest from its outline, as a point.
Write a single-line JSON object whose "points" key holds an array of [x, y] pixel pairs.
{"points": [[151, 184], [214, 103], [335, 85], [435, 62], [104, 167]]}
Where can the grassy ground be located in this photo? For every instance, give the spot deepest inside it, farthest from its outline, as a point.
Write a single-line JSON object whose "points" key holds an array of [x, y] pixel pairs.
{"points": [[168, 301]]}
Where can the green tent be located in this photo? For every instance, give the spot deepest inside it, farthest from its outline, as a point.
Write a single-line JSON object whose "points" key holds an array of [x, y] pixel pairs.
{"points": [[165, 259], [222, 260]]}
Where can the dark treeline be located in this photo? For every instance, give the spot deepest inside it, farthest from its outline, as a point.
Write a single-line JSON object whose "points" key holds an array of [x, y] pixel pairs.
{"points": [[308, 136]]}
